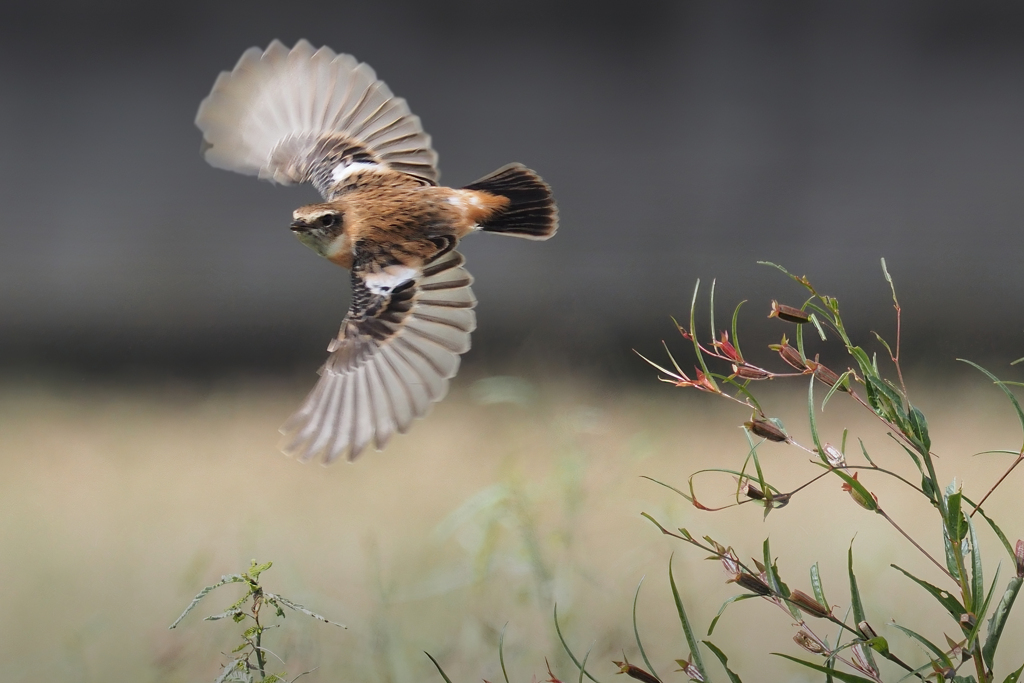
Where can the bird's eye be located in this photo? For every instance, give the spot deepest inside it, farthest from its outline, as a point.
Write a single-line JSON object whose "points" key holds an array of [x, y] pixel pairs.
{"points": [[329, 220]]}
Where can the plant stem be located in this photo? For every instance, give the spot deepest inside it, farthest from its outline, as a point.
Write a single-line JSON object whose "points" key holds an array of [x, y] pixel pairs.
{"points": [[996, 485], [915, 543]]}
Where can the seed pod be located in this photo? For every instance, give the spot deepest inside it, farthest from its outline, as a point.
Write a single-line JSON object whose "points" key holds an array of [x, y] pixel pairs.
{"points": [[753, 584], [766, 430], [750, 372], [635, 672], [834, 456], [824, 374], [804, 640], [809, 605], [1019, 554], [788, 313], [789, 354]]}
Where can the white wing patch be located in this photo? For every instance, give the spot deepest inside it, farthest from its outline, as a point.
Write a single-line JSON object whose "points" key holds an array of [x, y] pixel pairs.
{"points": [[343, 171], [389, 278]]}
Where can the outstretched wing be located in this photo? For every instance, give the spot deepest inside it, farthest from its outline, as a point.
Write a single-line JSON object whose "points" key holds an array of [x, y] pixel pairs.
{"points": [[392, 358], [306, 115]]}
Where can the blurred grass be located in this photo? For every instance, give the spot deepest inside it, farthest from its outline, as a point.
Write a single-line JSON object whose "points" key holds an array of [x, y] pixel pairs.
{"points": [[118, 504]]}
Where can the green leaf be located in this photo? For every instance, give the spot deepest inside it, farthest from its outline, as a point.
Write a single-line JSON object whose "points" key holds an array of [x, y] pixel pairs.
{"points": [[501, 652], [813, 422], [977, 571], [565, 645], [955, 521], [953, 551], [855, 601], [981, 610], [735, 335], [817, 326], [999, 532], [229, 578], [869, 503], [772, 574], [920, 427], [724, 660], [583, 665], [1015, 676], [939, 654], [944, 598], [998, 620], [816, 587], [687, 630], [636, 632], [1001, 385], [721, 610], [299, 608], [841, 675], [439, 669], [693, 335]]}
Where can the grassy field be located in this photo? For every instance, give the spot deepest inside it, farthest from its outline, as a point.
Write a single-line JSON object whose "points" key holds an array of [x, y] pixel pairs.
{"points": [[119, 504]]}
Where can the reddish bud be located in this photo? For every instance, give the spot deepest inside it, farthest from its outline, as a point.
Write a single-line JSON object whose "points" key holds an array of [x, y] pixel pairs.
{"points": [[1019, 554], [809, 605], [804, 640], [788, 313], [766, 430], [858, 497], [727, 349]]}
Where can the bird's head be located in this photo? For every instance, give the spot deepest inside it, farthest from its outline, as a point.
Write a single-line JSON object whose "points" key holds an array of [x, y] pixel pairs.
{"points": [[319, 227]]}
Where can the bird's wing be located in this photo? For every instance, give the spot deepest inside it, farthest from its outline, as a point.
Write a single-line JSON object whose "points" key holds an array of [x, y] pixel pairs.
{"points": [[307, 115], [393, 357]]}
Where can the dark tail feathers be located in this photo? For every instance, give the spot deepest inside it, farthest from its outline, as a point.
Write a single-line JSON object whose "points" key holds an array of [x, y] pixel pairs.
{"points": [[531, 212]]}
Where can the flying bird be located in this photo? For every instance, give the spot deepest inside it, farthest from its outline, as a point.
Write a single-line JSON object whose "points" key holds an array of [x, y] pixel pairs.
{"points": [[309, 115]]}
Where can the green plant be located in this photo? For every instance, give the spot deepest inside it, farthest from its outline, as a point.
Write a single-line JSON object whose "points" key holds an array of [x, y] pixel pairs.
{"points": [[852, 650], [246, 609]]}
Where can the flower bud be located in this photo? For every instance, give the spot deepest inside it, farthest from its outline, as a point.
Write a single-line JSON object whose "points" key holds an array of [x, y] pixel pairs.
{"points": [[858, 497], [809, 605], [727, 349], [804, 640], [766, 430], [788, 313]]}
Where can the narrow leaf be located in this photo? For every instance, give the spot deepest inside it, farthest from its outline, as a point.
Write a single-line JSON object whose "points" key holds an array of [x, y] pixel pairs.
{"points": [[998, 620], [229, 578], [565, 646], [1015, 676], [721, 610], [935, 649], [855, 601], [723, 659], [687, 630], [299, 608], [439, 669], [1001, 385], [816, 587], [944, 598], [501, 652], [636, 632], [977, 577], [841, 675]]}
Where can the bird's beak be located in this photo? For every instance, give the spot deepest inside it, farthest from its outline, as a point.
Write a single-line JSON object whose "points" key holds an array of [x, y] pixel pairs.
{"points": [[300, 226]]}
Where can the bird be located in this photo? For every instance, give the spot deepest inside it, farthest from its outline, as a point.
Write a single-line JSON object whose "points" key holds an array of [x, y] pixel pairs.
{"points": [[310, 115]]}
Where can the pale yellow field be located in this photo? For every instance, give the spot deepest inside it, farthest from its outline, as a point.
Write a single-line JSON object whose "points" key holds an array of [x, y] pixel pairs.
{"points": [[119, 504]]}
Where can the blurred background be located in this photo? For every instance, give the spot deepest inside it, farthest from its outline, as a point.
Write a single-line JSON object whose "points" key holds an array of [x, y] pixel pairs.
{"points": [[158, 320]]}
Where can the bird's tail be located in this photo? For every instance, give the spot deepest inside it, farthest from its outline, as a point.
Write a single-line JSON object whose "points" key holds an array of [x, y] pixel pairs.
{"points": [[531, 211]]}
